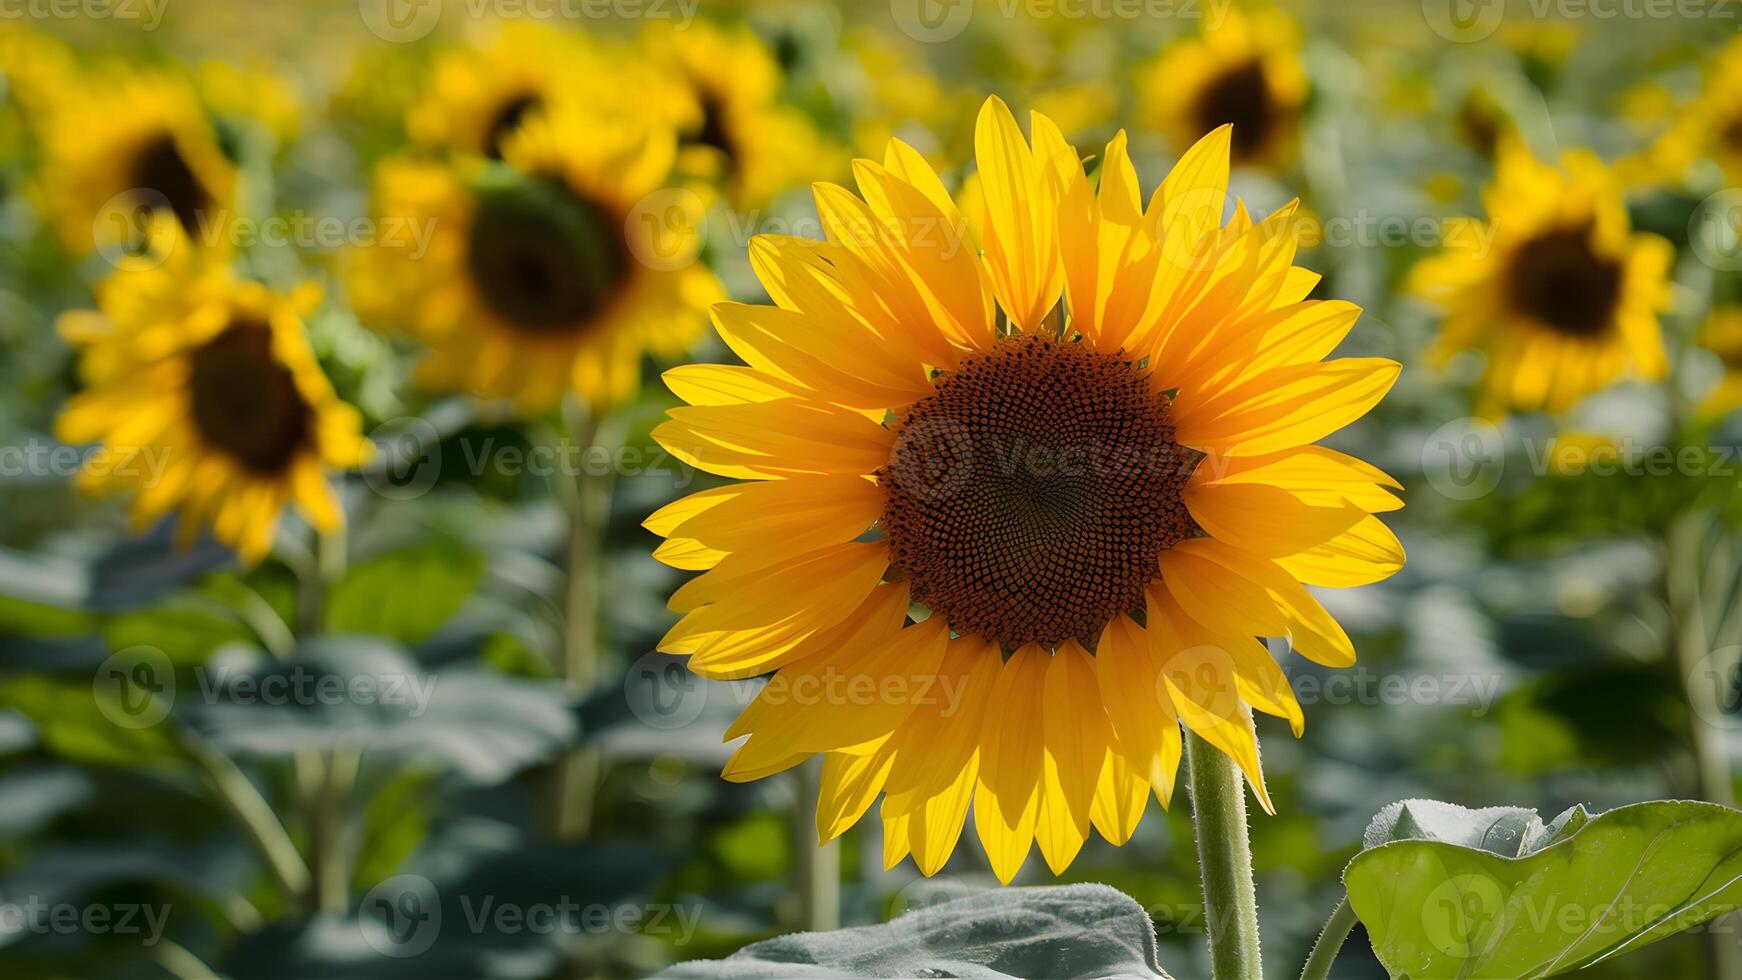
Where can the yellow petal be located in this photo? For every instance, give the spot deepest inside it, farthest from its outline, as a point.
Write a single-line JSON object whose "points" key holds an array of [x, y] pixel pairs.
{"points": [[1007, 794]]}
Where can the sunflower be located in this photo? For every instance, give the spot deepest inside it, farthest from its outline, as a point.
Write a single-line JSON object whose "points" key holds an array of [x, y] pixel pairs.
{"points": [[478, 97], [552, 270], [1245, 73], [1722, 335], [205, 397], [1555, 288], [994, 547], [1710, 126], [733, 127], [122, 144]]}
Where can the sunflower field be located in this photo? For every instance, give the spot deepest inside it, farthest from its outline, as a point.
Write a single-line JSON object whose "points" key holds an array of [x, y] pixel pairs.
{"points": [[892, 488]]}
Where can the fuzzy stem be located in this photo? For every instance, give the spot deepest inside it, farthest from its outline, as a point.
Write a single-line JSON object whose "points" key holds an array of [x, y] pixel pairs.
{"points": [[1330, 941], [1225, 861]]}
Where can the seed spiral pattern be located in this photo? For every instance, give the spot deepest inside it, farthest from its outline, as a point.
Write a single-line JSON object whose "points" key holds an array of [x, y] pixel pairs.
{"points": [[1031, 494]]}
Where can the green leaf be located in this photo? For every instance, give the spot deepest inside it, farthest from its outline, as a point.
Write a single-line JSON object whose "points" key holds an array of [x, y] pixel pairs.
{"points": [[405, 595], [94, 724], [1068, 931], [366, 694], [185, 633], [1445, 891]]}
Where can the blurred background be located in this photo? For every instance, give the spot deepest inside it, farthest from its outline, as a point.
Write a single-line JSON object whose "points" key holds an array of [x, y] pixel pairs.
{"points": [[439, 743]]}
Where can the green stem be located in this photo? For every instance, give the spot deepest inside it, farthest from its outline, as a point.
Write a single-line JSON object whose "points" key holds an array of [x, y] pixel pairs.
{"points": [[1330, 941], [1692, 649], [1225, 861], [255, 816], [180, 962], [816, 867], [329, 808], [576, 774]]}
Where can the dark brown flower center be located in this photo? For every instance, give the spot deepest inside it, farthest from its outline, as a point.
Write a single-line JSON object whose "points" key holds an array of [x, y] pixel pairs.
{"points": [[245, 402], [714, 129], [160, 172], [543, 259], [1031, 494], [1558, 279], [1240, 95], [508, 119]]}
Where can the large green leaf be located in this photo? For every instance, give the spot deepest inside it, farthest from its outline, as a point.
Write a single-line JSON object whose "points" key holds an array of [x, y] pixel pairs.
{"points": [[405, 595], [1068, 931], [366, 694], [1450, 892]]}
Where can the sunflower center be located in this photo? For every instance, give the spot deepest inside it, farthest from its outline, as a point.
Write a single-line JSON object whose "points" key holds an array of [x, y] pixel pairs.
{"points": [[159, 169], [541, 258], [1561, 281], [1240, 96], [1031, 494], [245, 402], [508, 119], [713, 130]]}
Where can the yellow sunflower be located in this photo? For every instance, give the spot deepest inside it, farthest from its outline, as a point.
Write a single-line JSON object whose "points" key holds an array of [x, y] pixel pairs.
{"points": [[1246, 73], [478, 97], [553, 270], [1710, 126], [205, 397], [122, 144], [1554, 287], [734, 129], [995, 547], [1722, 335]]}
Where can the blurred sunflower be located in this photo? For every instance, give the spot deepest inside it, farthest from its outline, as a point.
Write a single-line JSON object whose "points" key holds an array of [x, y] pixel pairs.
{"points": [[478, 97], [33, 67], [1089, 514], [1709, 127], [1554, 287], [734, 129], [1246, 72], [121, 144], [1722, 335], [553, 270], [206, 399]]}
